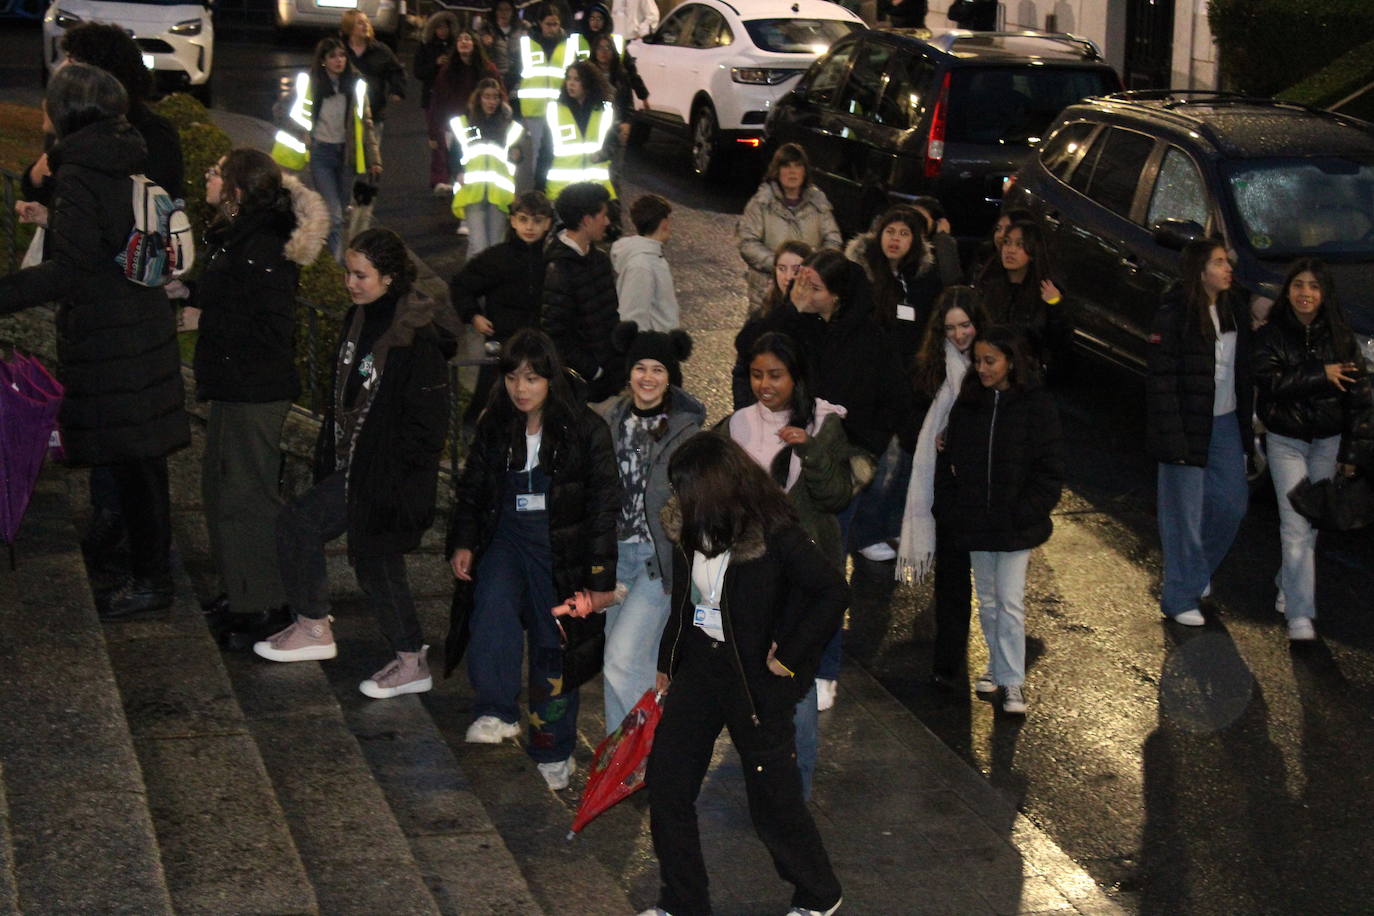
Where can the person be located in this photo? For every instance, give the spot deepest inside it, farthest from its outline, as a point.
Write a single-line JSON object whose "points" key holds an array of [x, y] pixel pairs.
{"points": [[267, 228], [1019, 292], [376, 466], [436, 47], [501, 31], [116, 340], [903, 14], [787, 261], [453, 89], [626, 84], [648, 421], [634, 18], [754, 600], [581, 309], [596, 22], [975, 15], [643, 279], [545, 56], [1000, 475], [579, 125], [786, 206], [377, 64], [1314, 401], [988, 251], [927, 538], [328, 124], [533, 525], [937, 232], [488, 150], [1199, 405]]}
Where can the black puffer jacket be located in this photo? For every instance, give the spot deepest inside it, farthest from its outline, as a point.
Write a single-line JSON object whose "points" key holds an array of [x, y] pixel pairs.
{"points": [[581, 311], [1021, 306], [1002, 468], [1181, 386], [116, 340], [505, 283], [917, 287], [164, 163]]}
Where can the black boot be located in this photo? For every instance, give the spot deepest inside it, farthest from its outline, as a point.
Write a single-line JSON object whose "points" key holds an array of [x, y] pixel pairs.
{"points": [[241, 631], [137, 595]]}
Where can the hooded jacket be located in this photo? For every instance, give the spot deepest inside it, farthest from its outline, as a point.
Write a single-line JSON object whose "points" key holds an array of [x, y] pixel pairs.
{"points": [[581, 311], [449, 95], [767, 222], [116, 340], [918, 286], [432, 48], [644, 284], [245, 349], [505, 283]]}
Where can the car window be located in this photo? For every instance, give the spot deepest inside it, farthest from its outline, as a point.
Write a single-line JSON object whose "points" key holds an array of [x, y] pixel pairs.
{"points": [[1320, 206], [674, 30], [1179, 191], [1016, 104], [1120, 159], [798, 36], [824, 88], [707, 29], [909, 77], [1065, 147], [867, 84]]}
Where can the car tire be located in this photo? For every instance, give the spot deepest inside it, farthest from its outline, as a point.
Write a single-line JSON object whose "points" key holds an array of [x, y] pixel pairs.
{"points": [[639, 133], [203, 93], [706, 149]]}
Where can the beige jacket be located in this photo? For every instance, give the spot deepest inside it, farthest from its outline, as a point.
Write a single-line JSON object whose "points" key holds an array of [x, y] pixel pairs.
{"points": [[767, 222]]}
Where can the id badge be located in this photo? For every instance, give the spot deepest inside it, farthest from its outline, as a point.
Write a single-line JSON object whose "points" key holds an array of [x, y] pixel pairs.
{"points": [[708, 618], [529, 502], [906, 313]]}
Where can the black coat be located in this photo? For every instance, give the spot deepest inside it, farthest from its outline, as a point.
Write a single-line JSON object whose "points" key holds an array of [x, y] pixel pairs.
{"points": [[505, 283], [163, 165], [1002, 468], [1020, 305], [581, 311], [1181, 385], [426, 64], [384, 75], [907, 14], [116, 340], [917, 285]]}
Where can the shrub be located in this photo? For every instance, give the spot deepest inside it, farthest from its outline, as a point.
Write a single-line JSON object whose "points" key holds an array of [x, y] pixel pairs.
{"points": [[1257, 38]]}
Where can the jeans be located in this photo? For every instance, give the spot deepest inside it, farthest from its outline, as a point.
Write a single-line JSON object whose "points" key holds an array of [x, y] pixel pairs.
{"points": [[633, 630], [487, 226], [1200, 511], [540, 150], [1290, 462], [806, 721], [329, 175], [439, 172], [146, 505], [1000, 577]]}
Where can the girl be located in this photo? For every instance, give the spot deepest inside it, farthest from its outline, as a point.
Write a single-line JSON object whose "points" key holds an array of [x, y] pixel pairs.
{"points": [[434, 52], [787, 261], [1200, 401], [1000, 475], [377, 466], [1019, 293], [1313, 401], [453, 89], [754, 601], [580, 124], [626, 85], [491, 137], [533, 525], [501, 32], [648, 422], [944, 245]]}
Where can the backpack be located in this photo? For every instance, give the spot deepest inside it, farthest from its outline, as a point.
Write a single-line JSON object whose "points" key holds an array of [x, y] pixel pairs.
{"points": [[160, 246]]}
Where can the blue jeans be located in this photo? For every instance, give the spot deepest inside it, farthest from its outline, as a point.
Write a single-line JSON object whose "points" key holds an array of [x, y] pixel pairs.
{"points": [[487, 226], [806, 721], [329, 175], [1200, 511], [633, 630], [1000, 578], [1290, 462]]}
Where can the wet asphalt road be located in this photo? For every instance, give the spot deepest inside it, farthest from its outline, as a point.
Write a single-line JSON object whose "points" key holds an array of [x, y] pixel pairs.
{"points": [[1190, 771]]}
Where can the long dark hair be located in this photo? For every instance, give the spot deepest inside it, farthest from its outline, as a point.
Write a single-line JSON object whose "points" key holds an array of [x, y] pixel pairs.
{"points": [[533, 347], [1039, 269], [802, 410], [502, 116], [615, 73], [929, 372], [594, 86], [1025, 371], [887, 291], [252, 178], [776, 294], [456, 73], [722, 492], [1196, 254], [321, 86], [1342, 338], [834, 270]]}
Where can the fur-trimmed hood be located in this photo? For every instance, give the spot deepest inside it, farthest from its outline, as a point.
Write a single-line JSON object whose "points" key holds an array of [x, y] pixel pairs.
{"points": [[857, 251], [432, 26], [751, 545], [306, 241]]}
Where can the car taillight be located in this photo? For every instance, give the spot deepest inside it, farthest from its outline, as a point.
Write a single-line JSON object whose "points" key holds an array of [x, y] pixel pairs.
{"points": [[935, 145]]}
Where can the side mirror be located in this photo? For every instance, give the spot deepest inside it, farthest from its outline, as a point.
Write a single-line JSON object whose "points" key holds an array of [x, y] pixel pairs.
{"points": [[1175, 233]]}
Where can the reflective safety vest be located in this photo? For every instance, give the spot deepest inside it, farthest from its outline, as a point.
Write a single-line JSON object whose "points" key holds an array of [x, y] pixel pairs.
{"points": [[488, 173], [291, 145], [541, 76], [574, 152]]}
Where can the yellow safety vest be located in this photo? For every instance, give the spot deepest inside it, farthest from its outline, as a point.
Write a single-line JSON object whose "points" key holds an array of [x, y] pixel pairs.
{"points": [[488, 173], [573, 151], [291, 145], [541, 76]]}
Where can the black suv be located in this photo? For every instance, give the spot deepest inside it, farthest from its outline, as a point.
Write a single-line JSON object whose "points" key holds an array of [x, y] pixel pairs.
{"points": [[1123, 182], [888, 115]]}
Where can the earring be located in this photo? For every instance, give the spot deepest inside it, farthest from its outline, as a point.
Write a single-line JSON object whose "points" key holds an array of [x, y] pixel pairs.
{"points": [[231, 209]]}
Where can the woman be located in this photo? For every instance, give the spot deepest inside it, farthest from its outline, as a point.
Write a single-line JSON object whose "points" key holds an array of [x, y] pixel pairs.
{"points": [[434, 52], [267, 228], [579, 125], [899, 263], [926, 537], [648, 422], [376, 466], [786, 206], [988, 251], [787, 261], [1019, 293], [453, 89], [626, 85], [1000, 476], [488, 149], [533, 525], [386, 78], [501, 32], [754, 601], [1199, 401], [596, 23], [1313, 399], [116, 341], [946, 248]]}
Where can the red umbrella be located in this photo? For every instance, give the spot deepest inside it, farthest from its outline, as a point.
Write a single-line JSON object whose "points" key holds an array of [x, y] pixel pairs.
{"points": [[29, 401], [618, 770]]}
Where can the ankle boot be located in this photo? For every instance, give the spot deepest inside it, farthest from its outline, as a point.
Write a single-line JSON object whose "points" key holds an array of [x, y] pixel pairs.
{"points": [[407, 673], [136, 595]]}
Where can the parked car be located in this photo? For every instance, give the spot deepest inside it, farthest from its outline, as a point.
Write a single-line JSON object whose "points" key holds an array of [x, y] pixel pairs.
{"points": [[714, 68], [888, 115], [1123, 182], [177, 38], [386, 15]]}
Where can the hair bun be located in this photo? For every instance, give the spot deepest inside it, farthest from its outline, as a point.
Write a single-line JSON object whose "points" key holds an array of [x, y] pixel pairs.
{"points": [[623, 336]]}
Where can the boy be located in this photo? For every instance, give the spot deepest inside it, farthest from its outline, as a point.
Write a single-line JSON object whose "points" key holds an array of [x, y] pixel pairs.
{"points": [[580, 305], [643, 282]]}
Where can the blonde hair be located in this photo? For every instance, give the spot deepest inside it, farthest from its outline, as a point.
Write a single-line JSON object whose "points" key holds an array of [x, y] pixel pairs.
{"points": [[349, 22]]}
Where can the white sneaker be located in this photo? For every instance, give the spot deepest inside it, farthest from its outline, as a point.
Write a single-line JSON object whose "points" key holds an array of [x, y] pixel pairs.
{"points": [[1014, 701], [490, 730], [1192, 618], [463, 231], [441, 188], [655, 911], [826, 689], [985, 683], [1300, 629], [799, 911], [880, 552], [557, 774], [1207, 592], [1281, 602]]}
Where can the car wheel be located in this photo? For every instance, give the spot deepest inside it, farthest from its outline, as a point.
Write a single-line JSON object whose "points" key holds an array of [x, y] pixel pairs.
{"points": [[639, 133], [203, 93], [706, 152]]}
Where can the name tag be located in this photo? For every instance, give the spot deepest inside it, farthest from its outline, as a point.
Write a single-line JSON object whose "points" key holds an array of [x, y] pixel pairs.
{"points": [[708, 618], [906, 313], [529, 502]]}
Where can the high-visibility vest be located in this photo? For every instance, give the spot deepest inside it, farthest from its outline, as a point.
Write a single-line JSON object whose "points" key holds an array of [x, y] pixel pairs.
{"points": [[541, 76], [573, 151], [488, 173], [291, 145]]}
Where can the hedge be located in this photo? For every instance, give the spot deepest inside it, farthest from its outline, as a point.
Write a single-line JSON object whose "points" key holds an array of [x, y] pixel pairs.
{"points": [[1270, 45], [1337, 80]]}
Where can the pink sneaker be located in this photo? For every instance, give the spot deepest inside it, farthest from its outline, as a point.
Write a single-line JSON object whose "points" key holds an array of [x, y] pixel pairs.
{"points": [[408, 672], [306, 640]]}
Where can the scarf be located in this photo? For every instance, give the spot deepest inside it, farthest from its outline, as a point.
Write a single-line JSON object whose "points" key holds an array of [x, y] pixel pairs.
{"points": [[916, 553]]}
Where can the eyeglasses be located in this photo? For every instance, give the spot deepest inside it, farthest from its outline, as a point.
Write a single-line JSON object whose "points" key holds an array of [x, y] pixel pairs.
{"points": [[213, 172]]}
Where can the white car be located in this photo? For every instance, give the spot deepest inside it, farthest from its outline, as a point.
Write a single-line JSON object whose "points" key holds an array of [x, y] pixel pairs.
{"points": [[385, 15], [177, 38], [714, 68]]}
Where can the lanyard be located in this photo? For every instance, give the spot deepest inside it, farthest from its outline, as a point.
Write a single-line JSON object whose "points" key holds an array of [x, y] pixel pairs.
{"points": [[713, 598]]}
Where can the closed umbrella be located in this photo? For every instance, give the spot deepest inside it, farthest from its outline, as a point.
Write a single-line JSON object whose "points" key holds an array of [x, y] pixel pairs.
{"points": [[621, 759], [29, 401]]}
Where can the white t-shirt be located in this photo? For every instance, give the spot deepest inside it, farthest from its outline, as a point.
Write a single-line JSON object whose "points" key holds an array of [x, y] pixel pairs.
{"points": [[1224, 400], [532, 442], [708, 575]]}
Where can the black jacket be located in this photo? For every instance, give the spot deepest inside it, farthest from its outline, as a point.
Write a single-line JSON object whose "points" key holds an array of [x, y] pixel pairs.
{"points": [[116, 340], [1002, 468], [580, 312], [917, 286], [906, 14], [1181, 385], [426, 64], [505, 283], [384, 75], [1021, 306]]}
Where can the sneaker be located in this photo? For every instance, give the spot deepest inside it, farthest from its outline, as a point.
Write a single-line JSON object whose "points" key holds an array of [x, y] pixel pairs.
{"points": [[557, 774], [1190, 618], [136, 595], [826, 689], [408, 672], [1014, 701], [1281, 602], [463, 231], [1207, 592], [441, 188], [306, 640], [985, 683], [1300, 629], [880, 552], [241, 632], [490, 730], [655, 911], [802, 911]]}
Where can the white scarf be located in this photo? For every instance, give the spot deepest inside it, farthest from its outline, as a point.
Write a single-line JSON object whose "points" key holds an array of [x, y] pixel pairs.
{"points": [[916, 553]]}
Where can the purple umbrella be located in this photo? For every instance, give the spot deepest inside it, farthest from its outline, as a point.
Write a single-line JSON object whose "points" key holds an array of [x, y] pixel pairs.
{"points": [[29, 400]]}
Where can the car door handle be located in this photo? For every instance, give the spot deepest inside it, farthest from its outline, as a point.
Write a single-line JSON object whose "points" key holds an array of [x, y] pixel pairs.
{"points": [[1051, 218], [1130, 261]]}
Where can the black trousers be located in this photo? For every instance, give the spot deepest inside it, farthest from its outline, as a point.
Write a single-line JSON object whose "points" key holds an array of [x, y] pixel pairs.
{"points": [[706, 695], [953, 605], [146, 504]]}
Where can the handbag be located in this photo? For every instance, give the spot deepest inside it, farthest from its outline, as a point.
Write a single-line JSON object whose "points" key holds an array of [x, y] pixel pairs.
{"points": [[1339, 504]]}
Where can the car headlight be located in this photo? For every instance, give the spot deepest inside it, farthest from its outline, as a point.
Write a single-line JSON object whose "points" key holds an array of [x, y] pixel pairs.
{"points": [[65, 20], [760, 76], [188, 27]]}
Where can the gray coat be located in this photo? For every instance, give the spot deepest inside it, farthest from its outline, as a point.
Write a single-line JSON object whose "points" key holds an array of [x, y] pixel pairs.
{"points": [[767, 222]]}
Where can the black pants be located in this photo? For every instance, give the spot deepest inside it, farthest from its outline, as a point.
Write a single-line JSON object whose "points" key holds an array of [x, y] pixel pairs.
{"points": [[315, 518], [146, 505], [953, 605], [705, 695]]}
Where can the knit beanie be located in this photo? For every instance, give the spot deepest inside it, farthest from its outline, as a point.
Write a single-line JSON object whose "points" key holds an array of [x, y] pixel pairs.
{"points": [[670, 348]]}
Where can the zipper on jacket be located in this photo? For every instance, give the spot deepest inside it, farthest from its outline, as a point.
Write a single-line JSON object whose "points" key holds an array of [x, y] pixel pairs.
{"points": [[686, 597], [992, 432], [734, 647]]}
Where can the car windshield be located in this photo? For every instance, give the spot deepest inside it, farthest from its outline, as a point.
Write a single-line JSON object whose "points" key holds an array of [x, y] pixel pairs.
{"points": [[1016, 105], [1293, 207], [798, 36]]}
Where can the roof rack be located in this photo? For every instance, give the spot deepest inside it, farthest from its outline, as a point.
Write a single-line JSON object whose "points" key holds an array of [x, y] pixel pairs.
{"points": [[1178, 98], [946, 40]]}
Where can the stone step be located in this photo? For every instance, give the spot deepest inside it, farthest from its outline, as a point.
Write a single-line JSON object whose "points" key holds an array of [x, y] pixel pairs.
{"points": [[80, 836]]}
